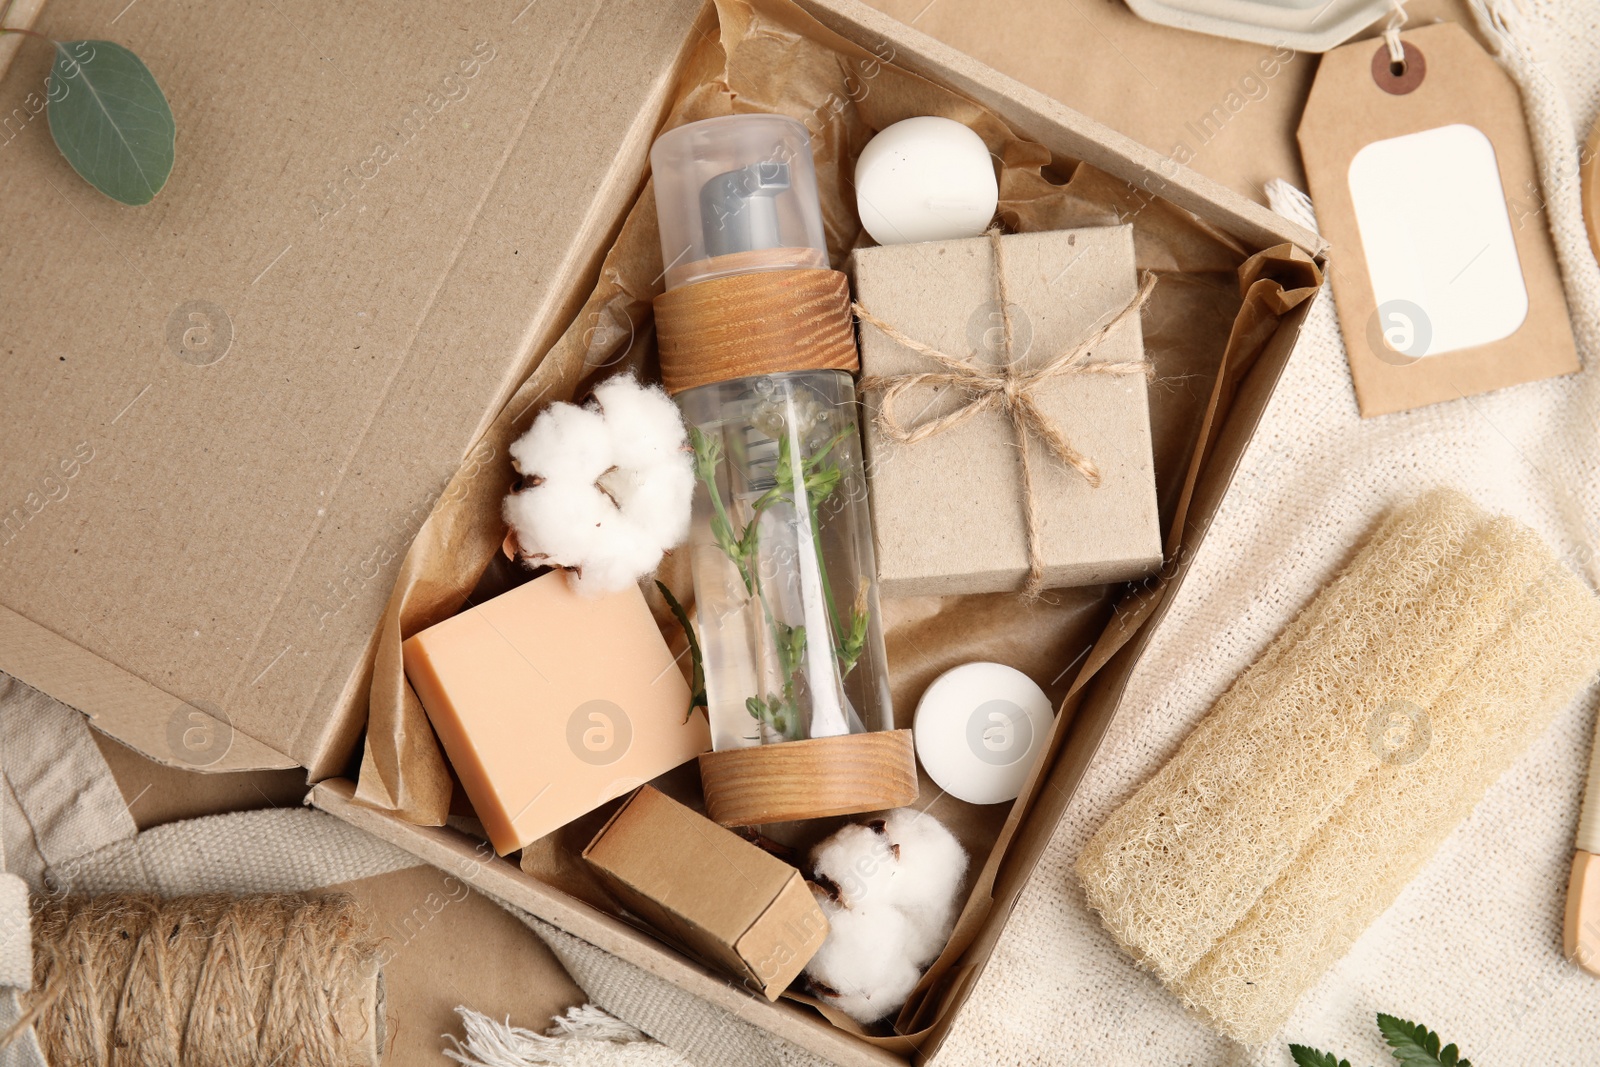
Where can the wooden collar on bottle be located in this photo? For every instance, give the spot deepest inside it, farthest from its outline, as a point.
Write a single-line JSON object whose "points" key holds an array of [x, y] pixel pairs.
{"points": [[762, 322], [815, 779]]}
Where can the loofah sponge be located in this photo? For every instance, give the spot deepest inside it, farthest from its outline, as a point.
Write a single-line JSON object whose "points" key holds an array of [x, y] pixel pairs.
{"points": [[1329, 773]]}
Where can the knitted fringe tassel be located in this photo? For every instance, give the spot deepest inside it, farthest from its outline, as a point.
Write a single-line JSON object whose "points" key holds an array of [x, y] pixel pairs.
{"points": [[584, 1035]]}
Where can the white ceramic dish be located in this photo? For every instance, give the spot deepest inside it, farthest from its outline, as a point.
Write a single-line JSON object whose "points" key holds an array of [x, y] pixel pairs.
{"points": [[1303, 25]]}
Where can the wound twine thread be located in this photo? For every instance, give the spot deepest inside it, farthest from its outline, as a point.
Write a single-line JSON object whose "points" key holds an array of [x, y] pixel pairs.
{"points": [[1008, 388], [133, 980]]}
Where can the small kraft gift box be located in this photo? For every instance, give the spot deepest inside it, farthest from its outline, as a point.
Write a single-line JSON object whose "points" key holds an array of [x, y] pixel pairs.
{"points": [[1008, 426]]}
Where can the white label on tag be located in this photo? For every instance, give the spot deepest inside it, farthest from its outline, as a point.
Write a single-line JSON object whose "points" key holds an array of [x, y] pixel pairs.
{"points": [[1440, 253]]}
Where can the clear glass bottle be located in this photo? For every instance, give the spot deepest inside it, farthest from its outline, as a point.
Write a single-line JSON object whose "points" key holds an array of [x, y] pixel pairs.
{"points": [[781, 543]]}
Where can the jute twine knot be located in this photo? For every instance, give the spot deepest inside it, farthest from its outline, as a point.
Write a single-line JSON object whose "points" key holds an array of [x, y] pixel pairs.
{"points": [[1008, 387], [133, 980]]}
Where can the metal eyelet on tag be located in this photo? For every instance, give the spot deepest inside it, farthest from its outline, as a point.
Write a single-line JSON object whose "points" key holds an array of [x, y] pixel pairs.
{"points": [[1398, 79]]}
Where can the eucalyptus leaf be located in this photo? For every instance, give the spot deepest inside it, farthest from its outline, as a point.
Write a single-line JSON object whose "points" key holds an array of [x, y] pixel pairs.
{"points": [[110, 119]]}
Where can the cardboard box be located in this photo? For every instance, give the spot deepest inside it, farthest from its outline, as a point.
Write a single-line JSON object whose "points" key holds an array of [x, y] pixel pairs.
{"points": [[1089, 711], [948, 511], [711, 891], [548, 704], [207, 585]]}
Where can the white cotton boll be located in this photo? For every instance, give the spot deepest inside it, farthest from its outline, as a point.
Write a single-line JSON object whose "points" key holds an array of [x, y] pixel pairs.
{"points": [[897, 880], [932, 860], [649, 441], [885, 1000], [659, 503], [907, 861], [930, 929], [863, 962], [932, 866], [644, 421], [860, 863], [861, 946], [625, 557], [558, 522], [609, 486], [565, 441]]}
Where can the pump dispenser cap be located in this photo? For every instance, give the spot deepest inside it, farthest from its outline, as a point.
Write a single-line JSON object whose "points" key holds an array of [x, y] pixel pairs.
{"points": [[736, 194]]}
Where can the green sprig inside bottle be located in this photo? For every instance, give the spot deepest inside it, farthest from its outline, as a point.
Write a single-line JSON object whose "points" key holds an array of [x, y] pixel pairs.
{"points": [[812, 481]]}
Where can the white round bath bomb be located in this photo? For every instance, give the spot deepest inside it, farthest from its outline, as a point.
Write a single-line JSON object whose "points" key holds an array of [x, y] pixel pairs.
{"points": [[925, 179], [979, 728]]}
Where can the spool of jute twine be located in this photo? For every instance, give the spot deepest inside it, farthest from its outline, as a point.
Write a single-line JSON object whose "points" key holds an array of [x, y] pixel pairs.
{"points": [[132, 980]]}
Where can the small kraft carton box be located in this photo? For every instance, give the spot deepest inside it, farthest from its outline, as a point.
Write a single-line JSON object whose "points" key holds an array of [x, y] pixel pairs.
{"points": [[716, 894]]}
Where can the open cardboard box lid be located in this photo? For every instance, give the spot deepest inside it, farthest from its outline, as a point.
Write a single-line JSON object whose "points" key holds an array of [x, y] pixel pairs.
{"points": [[228, 411]]}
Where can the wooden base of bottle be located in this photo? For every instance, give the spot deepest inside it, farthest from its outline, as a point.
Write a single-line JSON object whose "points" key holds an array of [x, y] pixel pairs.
{"points": [[810, 779]]}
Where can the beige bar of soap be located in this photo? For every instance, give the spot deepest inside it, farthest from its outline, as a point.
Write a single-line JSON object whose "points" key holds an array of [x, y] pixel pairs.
{"points": [[549, 704]]}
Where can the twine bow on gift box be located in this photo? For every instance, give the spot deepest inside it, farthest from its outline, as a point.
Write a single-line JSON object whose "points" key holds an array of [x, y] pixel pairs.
{"points": [[1008, 387]]}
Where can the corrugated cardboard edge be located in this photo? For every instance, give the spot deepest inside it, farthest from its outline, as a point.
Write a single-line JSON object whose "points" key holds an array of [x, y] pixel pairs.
{"points": [[125, 706], [1031, 114], [22, 15], [464, 857]]}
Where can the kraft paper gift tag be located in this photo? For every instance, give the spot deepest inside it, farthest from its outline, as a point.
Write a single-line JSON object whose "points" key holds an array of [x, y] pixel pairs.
{"points": [[1423, 179]]}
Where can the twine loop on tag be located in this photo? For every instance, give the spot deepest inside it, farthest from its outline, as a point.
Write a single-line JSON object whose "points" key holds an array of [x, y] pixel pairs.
{"points": [[1008, 387], [1391, 34]]}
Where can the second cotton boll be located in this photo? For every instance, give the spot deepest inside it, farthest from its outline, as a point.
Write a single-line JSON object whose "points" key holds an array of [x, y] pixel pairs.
{"points": [[889, 889], [606, 487]]}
